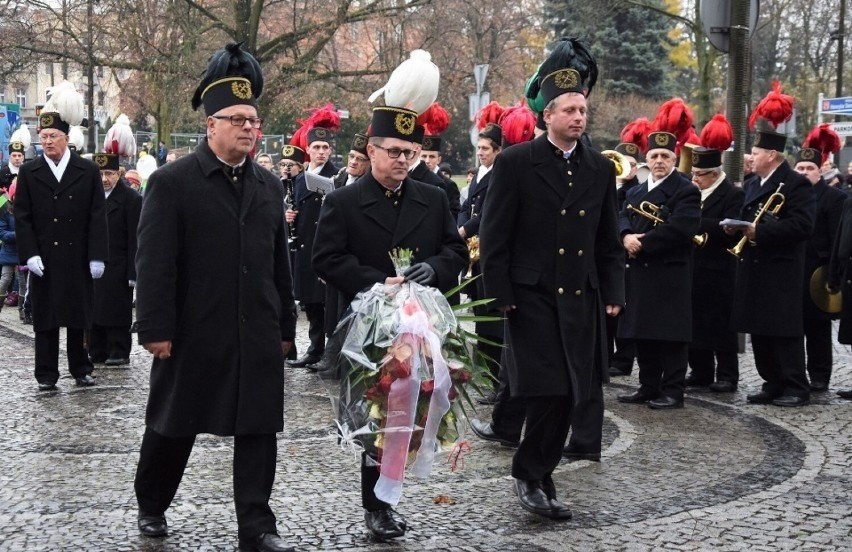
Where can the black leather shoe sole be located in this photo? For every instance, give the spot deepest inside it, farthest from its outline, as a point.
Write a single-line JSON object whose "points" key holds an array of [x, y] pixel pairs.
{"points": [[152, 526], [723, 387], [381, 525], [845, 394], [117, 361], [819, 386], [635, 398], [46, 386], [304, 361], [761, 398], [85, 381], [790, 400], [487, 433], [571, 454], [665, 403]]}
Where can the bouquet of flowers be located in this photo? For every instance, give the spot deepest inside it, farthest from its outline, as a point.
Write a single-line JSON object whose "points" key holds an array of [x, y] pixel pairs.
{"points": [[408, 369]]}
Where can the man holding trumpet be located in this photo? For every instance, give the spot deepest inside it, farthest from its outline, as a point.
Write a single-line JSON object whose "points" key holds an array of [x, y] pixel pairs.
{"points": [[779, 204]]}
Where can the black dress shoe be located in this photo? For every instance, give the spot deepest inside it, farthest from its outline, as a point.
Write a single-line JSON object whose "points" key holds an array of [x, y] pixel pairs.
{"points": [[664, 402], [489, 399], [97, 360], [85, 381], [819, 386], [723, 387], [533, 499], [46, 386], [763, 397], [152, 525], [845, 394], [304, 361], [484, 430], [637, 397], [791, 400], [572, 452], [615, 372], [117, 361], [692, 381], [265, 542], [381, 525]]}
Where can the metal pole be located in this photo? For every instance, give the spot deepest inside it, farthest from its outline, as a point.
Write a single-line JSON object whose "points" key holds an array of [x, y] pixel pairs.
{"points": [[841, 42], [737, 72]]}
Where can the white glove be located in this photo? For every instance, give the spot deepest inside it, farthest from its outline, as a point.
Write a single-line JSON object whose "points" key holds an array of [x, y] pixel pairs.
{"points": [[96, 268], [35, 265], [131, 283]]}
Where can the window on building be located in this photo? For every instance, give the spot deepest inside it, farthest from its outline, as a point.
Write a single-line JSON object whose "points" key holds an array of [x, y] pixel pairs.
{"points": [[21, 96]]}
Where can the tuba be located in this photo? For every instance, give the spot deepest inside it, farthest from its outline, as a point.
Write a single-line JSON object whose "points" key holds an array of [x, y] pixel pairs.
{"points": [[773, 207], [622, 167], [652, 212]]}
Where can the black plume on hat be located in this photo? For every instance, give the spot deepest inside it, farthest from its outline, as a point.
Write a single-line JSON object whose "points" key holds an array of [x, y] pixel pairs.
{"points": [[569, 53], [231, 61]]}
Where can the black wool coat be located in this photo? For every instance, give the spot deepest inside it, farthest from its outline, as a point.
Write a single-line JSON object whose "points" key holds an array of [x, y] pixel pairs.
{"points": [[768, 291], [422, 173], [359, 226], [659, 279], [714, 272], [213, 276], [471, 209], [840, 271], [308, 288], [65, 223], [113, 294], [829, 207], [549, 245]]}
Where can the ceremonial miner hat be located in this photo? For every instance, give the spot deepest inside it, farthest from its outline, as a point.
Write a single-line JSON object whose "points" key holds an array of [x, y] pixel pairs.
{"points": [[820, 143], [487, 121], [63, 109], [435, 120], [517, 123], [359, 143], [675, 117], [22, 135], [775, 108], [636, 133], [662, 140], [17, 147], [716, 137], [410, 90], [106, 161], [570, 67], [233, 77], [120, 139], [293, 153], [76, 139], [626, 148]]}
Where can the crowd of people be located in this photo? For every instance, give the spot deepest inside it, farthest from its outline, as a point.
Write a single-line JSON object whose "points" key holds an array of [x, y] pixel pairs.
{"points": [[591, 269]]}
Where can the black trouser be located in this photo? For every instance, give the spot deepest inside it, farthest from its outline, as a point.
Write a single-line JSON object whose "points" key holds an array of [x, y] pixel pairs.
{"points": [[818, 347], [47, 354], [662, 366], [315, 313], [621, 351], [507, 418], [369, 478], [780, 361], [587, 422], [707, 364], [548, 420], [109, 342], [162, 461]]}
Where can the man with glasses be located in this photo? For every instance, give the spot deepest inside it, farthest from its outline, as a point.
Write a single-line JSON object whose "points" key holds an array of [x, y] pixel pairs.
{"points": [[309, 289], [265, 161], [358, 163], [713, 350], [358, 227], [109, 339], [62, 237], [215, 308]]}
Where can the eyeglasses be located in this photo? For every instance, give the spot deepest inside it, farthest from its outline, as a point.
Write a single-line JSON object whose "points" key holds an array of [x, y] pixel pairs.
{"points": [[633, 163], [282, 164], [700, 174], [51, 137], [358, 158], [394, 153], [109, 174], [239, 120]]}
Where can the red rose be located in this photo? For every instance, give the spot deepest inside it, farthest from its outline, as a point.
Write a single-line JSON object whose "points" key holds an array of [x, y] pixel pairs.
{"points": [[427, 386], [400, 369], [452, 394], [384, 384]]}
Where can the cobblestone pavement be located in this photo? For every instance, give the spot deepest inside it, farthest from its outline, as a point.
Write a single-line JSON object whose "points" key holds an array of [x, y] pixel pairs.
{"points": [[718, 474]]}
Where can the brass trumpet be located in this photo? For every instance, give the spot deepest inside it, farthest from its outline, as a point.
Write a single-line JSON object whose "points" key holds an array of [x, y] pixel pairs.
{"points": [[622, 167], [772, 206], [473, 253], [652, 213]]}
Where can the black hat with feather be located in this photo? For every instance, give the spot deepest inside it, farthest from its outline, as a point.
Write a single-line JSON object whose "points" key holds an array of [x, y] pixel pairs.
{"points": [[232, 77], [570, 67]]}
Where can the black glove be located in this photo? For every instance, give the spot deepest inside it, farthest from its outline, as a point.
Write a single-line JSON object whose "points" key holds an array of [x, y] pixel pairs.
{"points": [[422, 274]]}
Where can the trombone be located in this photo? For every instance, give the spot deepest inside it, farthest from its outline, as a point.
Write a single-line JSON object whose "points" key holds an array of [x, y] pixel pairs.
{"points": [[773, 207], [652, 212]]}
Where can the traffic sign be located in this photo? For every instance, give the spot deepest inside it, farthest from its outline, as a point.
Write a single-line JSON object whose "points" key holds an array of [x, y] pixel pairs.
{"points": [[843, 129], [837, 106]]}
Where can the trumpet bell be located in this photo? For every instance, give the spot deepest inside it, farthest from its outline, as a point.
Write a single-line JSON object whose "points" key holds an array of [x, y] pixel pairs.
{"points": [[622, 167]]}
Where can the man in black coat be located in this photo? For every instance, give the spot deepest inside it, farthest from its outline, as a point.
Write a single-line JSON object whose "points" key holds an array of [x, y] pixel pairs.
{"points": [[215, 309], [768, 291], [358, 163], [309, 289], [429, 157], [840, 278], [109, 339], [551, 258], [10, 170], [658, 314], [62, 237], [360, 224], [713, 351], [817, 322]]}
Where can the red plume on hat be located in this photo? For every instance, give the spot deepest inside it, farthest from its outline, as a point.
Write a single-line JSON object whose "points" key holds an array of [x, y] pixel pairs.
{"points": [[824, 139], [717, 134], [775, 108], [518, 123], [324, 117], [676, 117], [435, 120], [636, 132], [692, 138], [491, 113], [300, 138]]}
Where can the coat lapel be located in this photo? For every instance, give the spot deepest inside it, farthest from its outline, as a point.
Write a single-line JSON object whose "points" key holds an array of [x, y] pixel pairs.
{"points": [[72, 173], [548, 167], [412, 211], [374, 205], [582, 178]]}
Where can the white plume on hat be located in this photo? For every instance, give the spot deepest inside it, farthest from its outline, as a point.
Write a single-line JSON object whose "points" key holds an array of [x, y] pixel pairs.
{"points": [[120, 139], [76, 138], [146, 165], [22, 135], [65, 100], [413, 84]]}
